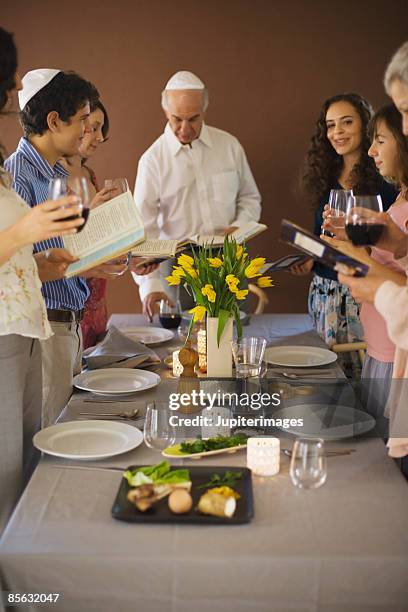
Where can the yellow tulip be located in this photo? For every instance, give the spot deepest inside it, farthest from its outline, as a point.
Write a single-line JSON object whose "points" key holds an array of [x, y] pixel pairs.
{"points": [[191, 272], [178, 272], [208, 290], [215, 262], [257, 262], [240, 252], [173, 280], [252, 271], [265, 281], [198, 312], [185, 261], [241, 295], [231, 280]]}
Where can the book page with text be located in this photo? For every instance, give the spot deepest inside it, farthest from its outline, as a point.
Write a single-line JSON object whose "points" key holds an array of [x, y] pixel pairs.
{"points": [[154, 246], [107, 224]]}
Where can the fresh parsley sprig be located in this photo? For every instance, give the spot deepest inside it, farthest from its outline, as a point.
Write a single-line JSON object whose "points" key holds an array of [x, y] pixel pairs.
{"points": [[229, 479]]}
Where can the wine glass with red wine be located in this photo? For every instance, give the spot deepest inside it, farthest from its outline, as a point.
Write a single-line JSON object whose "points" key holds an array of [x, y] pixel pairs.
{"points": [[362, 225], [170, 316], [60, 187]]}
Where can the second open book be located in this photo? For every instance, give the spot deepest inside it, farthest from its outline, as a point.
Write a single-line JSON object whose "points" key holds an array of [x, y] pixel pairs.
{"points": [[165, 249]]}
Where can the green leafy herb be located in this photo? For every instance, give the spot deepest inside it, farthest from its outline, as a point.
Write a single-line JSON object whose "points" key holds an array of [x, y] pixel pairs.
{"points": [[228, 480], [156, 474], [201, 446]]}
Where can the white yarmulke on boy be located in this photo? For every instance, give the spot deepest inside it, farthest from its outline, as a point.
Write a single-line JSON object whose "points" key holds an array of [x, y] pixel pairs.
{"points": [[33, 82]]}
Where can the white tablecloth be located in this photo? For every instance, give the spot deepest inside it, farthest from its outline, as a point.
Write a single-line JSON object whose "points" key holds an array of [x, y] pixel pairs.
{"points": [[343, 547]]}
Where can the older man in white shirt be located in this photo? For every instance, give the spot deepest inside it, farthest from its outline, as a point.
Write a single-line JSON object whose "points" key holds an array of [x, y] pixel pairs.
{"points": [[194, 179]]}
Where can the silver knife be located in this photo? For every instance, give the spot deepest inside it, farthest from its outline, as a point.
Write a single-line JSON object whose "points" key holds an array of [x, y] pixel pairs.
{"points": [[89, 467]]}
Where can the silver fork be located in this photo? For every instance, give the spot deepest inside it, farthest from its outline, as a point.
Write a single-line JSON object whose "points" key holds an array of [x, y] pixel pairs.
{"points": [[91, 400]]}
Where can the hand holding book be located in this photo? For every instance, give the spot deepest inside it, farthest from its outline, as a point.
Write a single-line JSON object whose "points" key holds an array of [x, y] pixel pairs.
{"points": [[321, 250]]}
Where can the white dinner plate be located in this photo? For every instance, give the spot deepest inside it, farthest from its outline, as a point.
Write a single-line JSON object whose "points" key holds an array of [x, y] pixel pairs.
{"points": [[88, 439], [116, 381], [326, 422], [299, 356], [148, 335]]}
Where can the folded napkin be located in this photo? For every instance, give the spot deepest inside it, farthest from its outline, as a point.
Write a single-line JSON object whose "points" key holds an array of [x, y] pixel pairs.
{"points": [[118, 351]]}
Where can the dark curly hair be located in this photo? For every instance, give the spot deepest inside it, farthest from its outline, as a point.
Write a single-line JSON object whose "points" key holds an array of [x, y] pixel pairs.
{"points": [[8, 69], [322, 167], [393, 120], [66, 93]]}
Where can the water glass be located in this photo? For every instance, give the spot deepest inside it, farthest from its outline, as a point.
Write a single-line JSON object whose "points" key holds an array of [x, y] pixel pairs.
{"points": [[248, 357], [308, 469], [158, 431], [338, 206]]}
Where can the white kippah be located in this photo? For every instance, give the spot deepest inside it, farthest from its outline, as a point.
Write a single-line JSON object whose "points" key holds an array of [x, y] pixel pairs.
{"points": [[33, 82], [184, 80]]}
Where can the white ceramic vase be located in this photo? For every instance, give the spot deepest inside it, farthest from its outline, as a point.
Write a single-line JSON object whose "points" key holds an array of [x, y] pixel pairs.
{"points": [[219, 358]]}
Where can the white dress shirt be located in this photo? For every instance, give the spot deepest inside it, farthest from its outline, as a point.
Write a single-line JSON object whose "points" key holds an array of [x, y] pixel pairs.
{"points": [[200, 188]]}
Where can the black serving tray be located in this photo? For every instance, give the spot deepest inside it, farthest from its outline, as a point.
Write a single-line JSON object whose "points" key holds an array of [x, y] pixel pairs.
{"points": [[123, 510]]}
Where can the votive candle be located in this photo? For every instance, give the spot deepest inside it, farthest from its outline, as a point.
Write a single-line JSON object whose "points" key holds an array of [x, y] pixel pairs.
{"points": [[177, 367], [263, 456]]}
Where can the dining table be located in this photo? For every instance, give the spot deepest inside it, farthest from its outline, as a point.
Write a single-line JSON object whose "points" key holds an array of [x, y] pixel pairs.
{"points": [[341, 547]]}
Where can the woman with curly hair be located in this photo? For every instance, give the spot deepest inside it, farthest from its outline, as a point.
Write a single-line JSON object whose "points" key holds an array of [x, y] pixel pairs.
{"points": [[338, 159]]}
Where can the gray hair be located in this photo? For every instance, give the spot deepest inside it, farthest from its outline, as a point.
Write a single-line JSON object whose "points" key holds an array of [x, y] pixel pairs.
{"points": [[397, 69], [204, 91]]}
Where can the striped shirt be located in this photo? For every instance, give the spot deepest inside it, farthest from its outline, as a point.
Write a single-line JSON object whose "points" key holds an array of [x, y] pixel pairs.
{"points": [[31, 176]]}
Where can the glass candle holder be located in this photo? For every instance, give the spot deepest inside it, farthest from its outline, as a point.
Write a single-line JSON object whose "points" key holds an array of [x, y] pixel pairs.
{"points": [[177, 367], [202, 350], [263, 456]]}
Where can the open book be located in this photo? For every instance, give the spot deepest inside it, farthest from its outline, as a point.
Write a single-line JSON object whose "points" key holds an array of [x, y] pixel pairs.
{"points": [[283, 263], [113, 228], [159, 250], [315, 247]]}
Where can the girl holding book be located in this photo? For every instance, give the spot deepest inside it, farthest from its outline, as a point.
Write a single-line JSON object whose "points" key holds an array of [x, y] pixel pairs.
{"points": [[389, 150]]}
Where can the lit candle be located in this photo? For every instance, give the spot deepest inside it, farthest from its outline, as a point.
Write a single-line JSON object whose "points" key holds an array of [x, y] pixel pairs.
{"points": [[263, 456], [177, 367]]}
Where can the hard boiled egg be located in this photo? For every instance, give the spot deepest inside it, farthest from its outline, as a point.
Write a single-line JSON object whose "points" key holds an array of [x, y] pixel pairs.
{"points": [[180, 501]]}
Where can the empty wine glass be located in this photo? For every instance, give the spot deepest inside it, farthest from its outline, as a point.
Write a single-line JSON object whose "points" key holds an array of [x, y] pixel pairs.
{"points": [[117, 186], [170, 316], [123, 260], [158, 431], [308, 469], [362, 225], [338, 206]]}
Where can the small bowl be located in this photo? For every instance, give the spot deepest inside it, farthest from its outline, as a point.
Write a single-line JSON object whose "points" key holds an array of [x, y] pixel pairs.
{"points": [[169, 361]]}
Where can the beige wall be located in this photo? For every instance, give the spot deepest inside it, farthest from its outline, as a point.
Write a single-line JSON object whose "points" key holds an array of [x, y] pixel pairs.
{"points": [[268, 65]]}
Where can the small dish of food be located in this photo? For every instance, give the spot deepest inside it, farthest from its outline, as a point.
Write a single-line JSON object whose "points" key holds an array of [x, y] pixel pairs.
{"points": [[160, 494]]}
